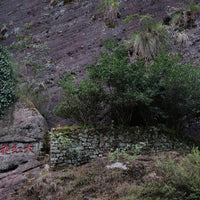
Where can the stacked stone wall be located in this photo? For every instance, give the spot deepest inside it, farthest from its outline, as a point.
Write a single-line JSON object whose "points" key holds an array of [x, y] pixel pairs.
{"points": [[80, 148]]}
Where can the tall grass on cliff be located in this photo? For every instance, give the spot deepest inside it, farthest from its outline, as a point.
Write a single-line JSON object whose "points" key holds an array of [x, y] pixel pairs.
{"points": [[111, 12], [7, 82], [150, 39]]}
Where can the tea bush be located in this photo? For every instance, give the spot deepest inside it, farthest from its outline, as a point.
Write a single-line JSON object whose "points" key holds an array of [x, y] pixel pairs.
{"points": [[163, 92], [82, 103], [7, 81]]}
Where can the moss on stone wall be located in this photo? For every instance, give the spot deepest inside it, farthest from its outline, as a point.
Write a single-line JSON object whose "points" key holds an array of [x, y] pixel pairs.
{"points": [[78, 145]]}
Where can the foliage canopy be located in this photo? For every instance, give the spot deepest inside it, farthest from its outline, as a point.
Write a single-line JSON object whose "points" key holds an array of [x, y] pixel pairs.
{"points": [[164, 92]]}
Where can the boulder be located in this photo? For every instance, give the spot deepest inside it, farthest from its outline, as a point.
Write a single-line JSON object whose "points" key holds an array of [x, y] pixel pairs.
{"points": [[21, 142], [23, 120]]}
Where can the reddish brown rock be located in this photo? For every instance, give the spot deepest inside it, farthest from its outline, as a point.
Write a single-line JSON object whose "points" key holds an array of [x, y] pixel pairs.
{"points": [[21, 141], [13, 181], [23, 119]]}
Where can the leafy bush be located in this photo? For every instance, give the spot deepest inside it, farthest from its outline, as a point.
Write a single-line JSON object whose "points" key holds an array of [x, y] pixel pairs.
{"points": [[164, 92], [182, 180], [175, 99], [114, 72], [7, 82], [82, 102]]}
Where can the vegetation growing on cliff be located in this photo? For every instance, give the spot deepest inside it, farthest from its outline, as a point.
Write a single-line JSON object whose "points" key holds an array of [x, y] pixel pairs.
{"points": [[163, 92], [7, 81], [153, 87]]}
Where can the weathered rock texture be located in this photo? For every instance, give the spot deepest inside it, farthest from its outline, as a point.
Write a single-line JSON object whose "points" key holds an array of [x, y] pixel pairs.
{"points": [[22, 131], [23, 119], [22, 172], [80, 148], [21, 142]]}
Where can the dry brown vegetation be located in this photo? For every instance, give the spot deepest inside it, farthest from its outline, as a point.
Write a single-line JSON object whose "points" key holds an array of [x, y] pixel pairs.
{"points": [[95, 181]]}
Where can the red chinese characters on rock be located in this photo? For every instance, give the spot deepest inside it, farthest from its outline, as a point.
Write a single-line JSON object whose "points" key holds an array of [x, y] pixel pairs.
{"points": [[7, 150], [29, 148], [16, 149]]}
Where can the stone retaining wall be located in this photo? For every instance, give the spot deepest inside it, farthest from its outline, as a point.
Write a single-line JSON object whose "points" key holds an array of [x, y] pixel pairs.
{"points": [[80, 148]]}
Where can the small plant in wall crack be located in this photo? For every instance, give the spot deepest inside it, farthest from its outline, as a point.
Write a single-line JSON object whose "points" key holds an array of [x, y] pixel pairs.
{"points": [[63, 140]]}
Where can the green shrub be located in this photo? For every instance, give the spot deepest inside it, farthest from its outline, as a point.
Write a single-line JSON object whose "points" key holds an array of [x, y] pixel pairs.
{"points": [[82, 103], [7, 81], [133, 154], [176, 94], [164, 92], [182, 180], [121, 80]]}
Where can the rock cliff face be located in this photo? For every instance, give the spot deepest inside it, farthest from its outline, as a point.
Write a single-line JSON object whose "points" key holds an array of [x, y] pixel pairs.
{"points": [[48, 39]]}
